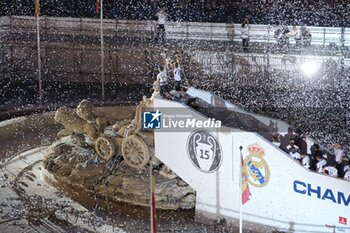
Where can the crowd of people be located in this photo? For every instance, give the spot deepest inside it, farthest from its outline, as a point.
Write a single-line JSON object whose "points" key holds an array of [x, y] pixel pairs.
{"points": [[318, 13], [329, 162], [301, 35], [282, 33], [320, 110], [318, 105]]}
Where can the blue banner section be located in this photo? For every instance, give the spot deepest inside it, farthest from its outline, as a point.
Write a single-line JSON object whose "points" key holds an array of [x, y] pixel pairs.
{"points": [[319, 192]]}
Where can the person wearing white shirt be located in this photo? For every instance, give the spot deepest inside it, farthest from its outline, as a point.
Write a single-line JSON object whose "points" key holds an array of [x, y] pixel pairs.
{"points": [[306, 162], [338, 157], [338, 153], [331, 171], [292, 145], [161, 15], [347, 176], [293, 150], [245, 35], [347, 172], [162, 79], [156, 90], [177, 77], [321, 162], [294, 153], [296, 33]]}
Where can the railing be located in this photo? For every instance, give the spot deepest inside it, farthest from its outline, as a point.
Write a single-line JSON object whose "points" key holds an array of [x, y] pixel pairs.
{"points": [[79, 62], [322, 36]]}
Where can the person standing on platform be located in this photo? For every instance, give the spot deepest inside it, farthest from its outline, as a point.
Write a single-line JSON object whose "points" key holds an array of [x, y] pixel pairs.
{"points": [[161, 16], [162, 79], [338, 158], [245, 34], [296, 34], [177, 76]]}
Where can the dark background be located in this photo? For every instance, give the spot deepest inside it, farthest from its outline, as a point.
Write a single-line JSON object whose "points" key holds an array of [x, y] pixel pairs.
{"points": [[316, 13]]}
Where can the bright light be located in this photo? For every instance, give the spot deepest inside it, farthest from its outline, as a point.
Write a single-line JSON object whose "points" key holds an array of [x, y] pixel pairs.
{"points": [[310, 67]]}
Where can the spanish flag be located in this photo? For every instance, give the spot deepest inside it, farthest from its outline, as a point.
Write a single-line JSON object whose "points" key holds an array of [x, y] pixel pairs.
{"points": [[37, 8], [245, 187], [97, 6]]}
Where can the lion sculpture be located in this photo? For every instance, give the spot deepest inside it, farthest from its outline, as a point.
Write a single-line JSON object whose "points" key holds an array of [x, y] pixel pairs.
{"points": [[73, 124]]}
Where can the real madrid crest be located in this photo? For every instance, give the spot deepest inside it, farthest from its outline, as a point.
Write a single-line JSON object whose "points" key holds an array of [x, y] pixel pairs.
{"points": [[256, 167], [204, 151]]}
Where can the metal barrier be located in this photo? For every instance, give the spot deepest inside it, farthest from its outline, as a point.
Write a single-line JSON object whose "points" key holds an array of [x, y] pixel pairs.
{"points": [[321, 36]]}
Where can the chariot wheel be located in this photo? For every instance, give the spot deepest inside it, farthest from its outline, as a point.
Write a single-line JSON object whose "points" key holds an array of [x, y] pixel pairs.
{"points": [[105, 148], [135, 151]]}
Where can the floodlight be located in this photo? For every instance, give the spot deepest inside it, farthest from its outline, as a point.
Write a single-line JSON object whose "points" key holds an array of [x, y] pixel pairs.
{"points": [[309, 68]]}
